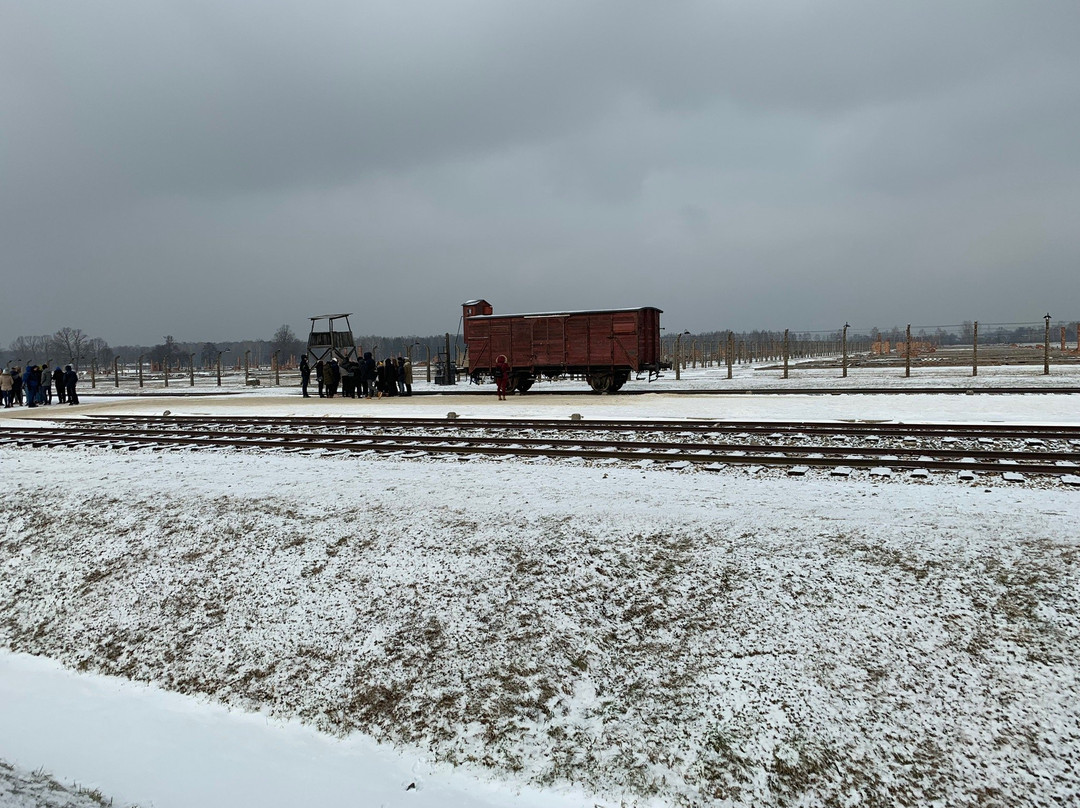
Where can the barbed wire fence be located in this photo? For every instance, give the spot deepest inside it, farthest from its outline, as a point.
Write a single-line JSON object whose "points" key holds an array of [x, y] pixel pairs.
{"points": [[968, 344], [965, 347]]}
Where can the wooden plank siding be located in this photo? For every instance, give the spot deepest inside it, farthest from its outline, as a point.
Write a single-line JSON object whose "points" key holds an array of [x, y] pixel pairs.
{"points": [[563, 342]]}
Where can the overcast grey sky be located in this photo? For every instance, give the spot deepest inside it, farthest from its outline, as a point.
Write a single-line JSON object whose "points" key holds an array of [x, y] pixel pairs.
{"points": [[212, 169]]}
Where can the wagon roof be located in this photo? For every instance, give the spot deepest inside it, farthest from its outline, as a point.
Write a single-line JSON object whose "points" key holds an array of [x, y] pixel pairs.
{"points": [[561, 313]]}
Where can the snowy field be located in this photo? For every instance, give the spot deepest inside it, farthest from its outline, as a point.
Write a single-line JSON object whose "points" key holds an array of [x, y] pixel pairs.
{"points": [[222, 628]]}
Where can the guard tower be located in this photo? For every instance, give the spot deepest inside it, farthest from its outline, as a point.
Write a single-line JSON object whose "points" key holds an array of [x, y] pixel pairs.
{"points": [[326, 343]]}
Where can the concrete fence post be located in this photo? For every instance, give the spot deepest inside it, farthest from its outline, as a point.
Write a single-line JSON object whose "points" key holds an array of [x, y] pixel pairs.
{"points": [[975, 349], [730, 352], [843, 350], [907, 352], [785, 353], [1046, 346]]}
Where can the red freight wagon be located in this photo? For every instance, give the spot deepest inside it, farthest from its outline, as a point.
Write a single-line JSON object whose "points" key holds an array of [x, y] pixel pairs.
{"points": [[604, 347]]}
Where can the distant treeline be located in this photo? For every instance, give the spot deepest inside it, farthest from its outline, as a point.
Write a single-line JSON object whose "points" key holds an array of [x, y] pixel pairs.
{"points": [[75, 347]]}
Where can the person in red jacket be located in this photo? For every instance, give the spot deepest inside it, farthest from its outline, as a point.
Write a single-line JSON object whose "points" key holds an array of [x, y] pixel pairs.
{"points": [[502, 376]]}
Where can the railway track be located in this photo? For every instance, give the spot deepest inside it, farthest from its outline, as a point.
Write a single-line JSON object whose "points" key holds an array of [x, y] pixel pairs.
{"points": [[1017, 452], [1016, 432]]}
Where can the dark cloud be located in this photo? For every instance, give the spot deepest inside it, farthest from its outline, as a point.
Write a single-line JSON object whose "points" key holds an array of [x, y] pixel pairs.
{"points": [[213, 169]]}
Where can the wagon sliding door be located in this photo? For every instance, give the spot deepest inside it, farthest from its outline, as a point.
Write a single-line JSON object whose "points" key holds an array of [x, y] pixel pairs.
{"points": [[649, 338], [624, 339], [521, 344], [549, 342], [601, 340], [499, 341]]}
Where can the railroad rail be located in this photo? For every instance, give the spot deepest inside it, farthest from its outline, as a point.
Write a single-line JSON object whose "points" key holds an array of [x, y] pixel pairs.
{"points": [[702, 426], [798, 446]]}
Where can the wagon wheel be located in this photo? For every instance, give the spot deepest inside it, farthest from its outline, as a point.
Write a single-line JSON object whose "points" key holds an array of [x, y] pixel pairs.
{"points": [[522, 384], [601, 382], [617, 382]]}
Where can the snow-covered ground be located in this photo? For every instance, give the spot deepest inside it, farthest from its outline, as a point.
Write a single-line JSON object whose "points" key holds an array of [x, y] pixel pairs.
{"points": [[760, 376], [464, 400], [565, 634]]}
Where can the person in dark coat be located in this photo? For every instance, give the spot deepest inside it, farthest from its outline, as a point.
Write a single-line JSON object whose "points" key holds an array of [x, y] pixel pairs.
{"points": [[357, 377], [71, 378], [319, 369], [58, 382], [331, 377], [368, 374], [16, 386], [305, 375], [348, 383], [390, 369]]}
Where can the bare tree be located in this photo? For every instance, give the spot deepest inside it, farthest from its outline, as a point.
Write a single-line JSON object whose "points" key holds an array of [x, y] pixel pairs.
{"points": [[97, 348], [29, 348], [70, 343], [208, 355], [166, 352], [285, 342]]}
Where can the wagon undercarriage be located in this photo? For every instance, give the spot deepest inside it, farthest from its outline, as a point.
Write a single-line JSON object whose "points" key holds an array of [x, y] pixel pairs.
{"points": [[601, 380]]}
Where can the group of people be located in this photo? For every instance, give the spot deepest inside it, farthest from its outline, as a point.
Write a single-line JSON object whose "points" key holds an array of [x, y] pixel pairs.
{"points": [[364, 378], [34, 385]]}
